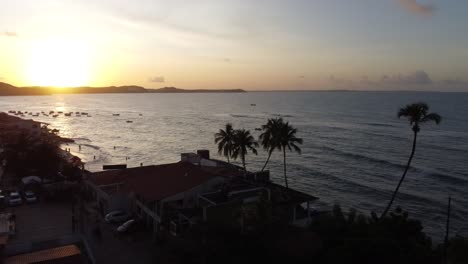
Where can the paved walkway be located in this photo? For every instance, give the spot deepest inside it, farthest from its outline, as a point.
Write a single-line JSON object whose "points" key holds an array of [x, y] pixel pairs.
{"points": [[112, 247]]}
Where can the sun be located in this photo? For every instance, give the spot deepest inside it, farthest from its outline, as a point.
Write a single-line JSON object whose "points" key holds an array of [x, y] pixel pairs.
{"points": [[58, 63]]}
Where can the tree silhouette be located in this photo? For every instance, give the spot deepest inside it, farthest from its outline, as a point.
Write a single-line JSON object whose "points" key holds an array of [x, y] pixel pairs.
{"points": [[416, 114], [287, 140], [270, 137], [243, 142], [225, 140]]}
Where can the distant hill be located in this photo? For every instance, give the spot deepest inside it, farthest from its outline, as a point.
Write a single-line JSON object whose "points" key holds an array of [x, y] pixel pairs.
{"points": [[178, 90], [8, 89]]}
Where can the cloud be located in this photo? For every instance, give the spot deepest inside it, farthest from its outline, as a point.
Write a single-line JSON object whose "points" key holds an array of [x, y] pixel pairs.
{"points": [[10, 34], [157, 79], [416, 8], [227, 60], [415, 78]]}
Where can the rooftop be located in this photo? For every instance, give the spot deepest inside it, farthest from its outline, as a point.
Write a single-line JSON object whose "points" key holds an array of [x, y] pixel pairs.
{"points": [[156, 182], [71, 253]]}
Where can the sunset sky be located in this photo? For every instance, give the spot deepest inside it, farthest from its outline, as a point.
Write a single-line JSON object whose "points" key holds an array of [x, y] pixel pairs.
{"points": [[253, 45]]}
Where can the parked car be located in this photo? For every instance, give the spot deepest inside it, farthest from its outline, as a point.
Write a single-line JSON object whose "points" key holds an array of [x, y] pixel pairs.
{"points": [[14, 199], [127, 226], [117, 217], [30, 197], [2, 199]]}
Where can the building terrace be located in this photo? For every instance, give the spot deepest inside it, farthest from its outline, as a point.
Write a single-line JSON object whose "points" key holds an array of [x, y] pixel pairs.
{"points": [[194, 190]]}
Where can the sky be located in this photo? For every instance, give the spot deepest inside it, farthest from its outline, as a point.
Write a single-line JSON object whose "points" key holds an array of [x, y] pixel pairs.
{"points": [[230, 44]]}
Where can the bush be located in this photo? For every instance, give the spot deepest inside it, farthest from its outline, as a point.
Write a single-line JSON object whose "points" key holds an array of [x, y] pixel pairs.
{"points": [[353, 237]]}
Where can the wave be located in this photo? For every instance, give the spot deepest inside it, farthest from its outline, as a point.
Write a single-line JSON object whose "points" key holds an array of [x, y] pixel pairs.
{"points": [[379, 125], [446, 178], [246, 116], [347, 184], [82, 139], [367, 158], [90, 146], [280, 115]]}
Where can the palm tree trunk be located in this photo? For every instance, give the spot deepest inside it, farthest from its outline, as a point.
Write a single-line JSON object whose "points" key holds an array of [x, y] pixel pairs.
{"points": [[284, 167], [228, 159], [268, 159], [402, 177], [243, 162]]}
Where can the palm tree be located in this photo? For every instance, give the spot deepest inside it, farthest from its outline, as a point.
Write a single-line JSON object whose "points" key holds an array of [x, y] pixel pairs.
{"points": [[225, 140], [243, 142], [416, 114], [269, 137], [287, 139]]}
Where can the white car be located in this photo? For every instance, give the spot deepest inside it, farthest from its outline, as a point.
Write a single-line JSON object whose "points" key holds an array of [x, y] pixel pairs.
{"points": [[30, 197], [126, 226], [14, 199], [117, 217]]}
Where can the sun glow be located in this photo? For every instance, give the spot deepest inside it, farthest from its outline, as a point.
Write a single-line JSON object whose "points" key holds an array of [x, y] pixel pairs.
{"points": [[59, 63]]}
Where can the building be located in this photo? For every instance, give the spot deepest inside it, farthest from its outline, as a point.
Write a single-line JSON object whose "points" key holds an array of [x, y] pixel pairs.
{"points": [[196, 189], [69, 254]]}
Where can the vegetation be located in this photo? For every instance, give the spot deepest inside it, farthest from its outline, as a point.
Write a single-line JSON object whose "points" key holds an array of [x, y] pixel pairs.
{"points": [[333, 237], [416, 114], [356, 238], [243, 142], [27, 153], [287, 140], [457, 250], [225, 140], [269, 138], [276, 135]]}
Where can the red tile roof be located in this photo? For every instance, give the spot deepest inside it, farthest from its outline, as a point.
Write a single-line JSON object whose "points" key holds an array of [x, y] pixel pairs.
{"points": [[156, 182], [47, 256]]}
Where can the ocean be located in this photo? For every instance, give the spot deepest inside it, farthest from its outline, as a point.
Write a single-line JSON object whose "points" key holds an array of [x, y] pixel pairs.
{"points": [[354, 152]]}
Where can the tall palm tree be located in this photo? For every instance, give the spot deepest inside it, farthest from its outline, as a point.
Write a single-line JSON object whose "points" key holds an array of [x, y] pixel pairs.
{"points": [[287, 140], [225, 140], [243, 142], [269, 137], [416, 114]]}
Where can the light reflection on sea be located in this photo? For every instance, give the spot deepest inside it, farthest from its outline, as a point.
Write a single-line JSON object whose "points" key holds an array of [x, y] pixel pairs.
{"points": [[354, 146]]}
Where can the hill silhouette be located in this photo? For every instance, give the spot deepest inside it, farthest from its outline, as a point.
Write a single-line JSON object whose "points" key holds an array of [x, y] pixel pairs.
{"points": [[8, 89]]}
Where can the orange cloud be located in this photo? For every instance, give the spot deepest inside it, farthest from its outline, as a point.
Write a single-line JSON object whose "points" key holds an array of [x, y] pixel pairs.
{"points": [[10, 34], [416, 8]]}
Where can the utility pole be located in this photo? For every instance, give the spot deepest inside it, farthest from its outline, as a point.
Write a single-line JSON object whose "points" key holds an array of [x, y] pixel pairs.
{"points": [[447, 228]]}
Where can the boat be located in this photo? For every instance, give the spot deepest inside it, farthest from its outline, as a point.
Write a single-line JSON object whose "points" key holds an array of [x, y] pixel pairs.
{"points": [[129, 121], [83, 113], [67, 114], [55, 116], [116, 114], [253, 104], [258, 129]]}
